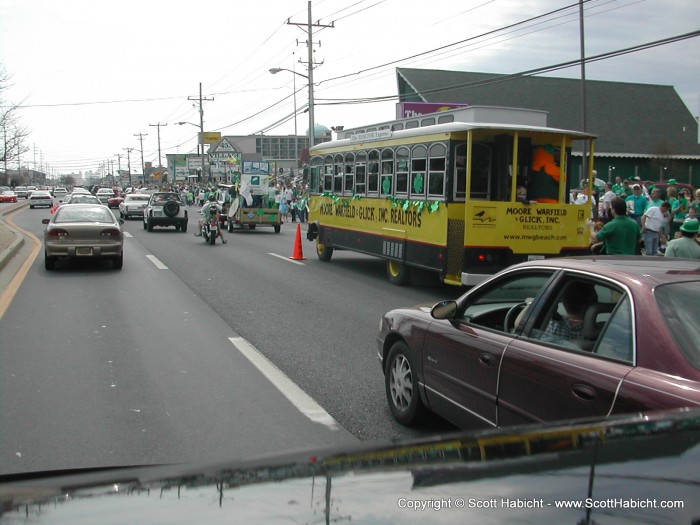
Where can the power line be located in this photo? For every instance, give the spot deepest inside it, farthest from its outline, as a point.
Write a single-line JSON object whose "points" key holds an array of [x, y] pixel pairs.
{"points": [[530, 72], [454, 43]]}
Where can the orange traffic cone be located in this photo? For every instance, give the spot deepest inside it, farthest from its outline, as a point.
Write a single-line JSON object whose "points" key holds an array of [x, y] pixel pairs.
{"points": [[298, 252]]}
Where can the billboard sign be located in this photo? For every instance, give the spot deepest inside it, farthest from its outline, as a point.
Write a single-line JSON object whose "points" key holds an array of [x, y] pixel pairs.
{"points": [[209, 137]]}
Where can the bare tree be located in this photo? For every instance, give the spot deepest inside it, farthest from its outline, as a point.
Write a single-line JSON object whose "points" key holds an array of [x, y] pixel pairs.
{"points": [[663, 165], [13, 132]]}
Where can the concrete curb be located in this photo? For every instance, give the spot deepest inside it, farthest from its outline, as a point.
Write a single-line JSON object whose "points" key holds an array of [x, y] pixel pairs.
{"points": [[8, 253]]}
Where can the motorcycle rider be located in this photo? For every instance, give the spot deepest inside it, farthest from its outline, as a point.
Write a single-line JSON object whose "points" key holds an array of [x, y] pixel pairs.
{"points": [[205, 212]]}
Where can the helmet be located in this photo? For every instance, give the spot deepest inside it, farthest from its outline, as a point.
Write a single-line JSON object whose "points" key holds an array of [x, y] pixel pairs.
{"points": [[691, 226], [212, 197]]}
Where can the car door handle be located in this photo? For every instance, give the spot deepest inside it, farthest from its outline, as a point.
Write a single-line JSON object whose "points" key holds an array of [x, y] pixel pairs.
{"points": [[487, 359], [584, 392]]}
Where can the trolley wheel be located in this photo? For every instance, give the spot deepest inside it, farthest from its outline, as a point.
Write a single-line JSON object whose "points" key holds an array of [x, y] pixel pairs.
{"points": [[324, 252], [398, 273]]}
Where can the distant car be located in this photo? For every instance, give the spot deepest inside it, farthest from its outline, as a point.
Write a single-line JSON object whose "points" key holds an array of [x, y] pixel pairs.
{"points": [[104, 194], [30, 189], [80, 198], [8, 196], [40, 198], [550, 340], [83, 231], [133, 205], [59, 193], [21, 192], [114, 202], [80, 189], [165, 209]]}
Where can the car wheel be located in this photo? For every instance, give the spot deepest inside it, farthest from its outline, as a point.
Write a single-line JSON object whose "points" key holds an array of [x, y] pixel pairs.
{"points": [[398, 273], [149, 226], [118, 262], [145, 226], [49, 262], [183, 227], [31, 207], [323, 252], [401, 384], [171, 208]]}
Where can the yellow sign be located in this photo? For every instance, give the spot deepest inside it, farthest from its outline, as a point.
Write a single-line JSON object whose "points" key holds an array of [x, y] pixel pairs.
{"points": [[210, 137]]}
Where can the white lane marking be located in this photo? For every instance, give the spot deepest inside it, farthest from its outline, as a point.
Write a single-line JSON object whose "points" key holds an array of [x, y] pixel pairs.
{"points": [[127, 234], [157, 263], [300, 399], [286, 259]]}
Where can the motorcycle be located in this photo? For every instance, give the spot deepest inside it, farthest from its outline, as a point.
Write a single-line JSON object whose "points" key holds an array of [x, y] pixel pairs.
{"points": [[210, 229]]}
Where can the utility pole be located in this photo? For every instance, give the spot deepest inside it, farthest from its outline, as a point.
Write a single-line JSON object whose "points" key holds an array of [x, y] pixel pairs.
{"points": [[143, 166], [128, 163], [310, 64], [200, 140], [119, 166], [160, 164]]}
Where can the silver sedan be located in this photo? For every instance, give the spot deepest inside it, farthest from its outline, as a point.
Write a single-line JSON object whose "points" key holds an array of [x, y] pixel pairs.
{"points": [[83, 231], [133, 205], [81, 198]]}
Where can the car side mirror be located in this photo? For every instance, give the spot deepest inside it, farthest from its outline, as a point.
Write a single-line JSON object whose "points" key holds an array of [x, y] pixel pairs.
{"points": [[45, 221], [444, 310]]}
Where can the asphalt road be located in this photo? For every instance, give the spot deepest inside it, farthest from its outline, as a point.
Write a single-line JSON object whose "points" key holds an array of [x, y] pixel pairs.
{"points": [[103, 367]]}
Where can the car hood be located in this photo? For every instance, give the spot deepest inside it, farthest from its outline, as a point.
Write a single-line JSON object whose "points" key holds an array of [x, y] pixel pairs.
{"points": [[620, 470]]}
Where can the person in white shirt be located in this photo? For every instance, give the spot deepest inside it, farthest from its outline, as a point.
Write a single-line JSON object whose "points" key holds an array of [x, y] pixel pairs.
{"points": [[584, 199], [653, 221], [605, 203]]}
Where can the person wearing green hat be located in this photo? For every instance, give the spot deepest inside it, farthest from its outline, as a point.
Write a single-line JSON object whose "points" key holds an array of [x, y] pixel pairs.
{"points": [[686, 245]]}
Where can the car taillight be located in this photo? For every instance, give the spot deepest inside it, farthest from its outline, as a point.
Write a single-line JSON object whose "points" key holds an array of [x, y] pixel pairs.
{"points": [[58, 232], [111, 232]]}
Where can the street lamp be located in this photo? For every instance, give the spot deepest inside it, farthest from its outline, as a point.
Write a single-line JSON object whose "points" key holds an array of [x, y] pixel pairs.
{"points": [[312, 133], [201, 154]]}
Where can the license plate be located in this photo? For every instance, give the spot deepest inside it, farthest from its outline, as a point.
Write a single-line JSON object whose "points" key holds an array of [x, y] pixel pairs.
{"points": [[83, 251]]}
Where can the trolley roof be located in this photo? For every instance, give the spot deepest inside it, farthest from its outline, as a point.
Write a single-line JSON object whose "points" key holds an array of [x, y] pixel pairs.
{"points": [[465, 119]]}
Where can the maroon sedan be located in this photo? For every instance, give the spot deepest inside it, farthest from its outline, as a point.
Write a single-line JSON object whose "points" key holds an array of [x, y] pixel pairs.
{"points": [[550, 340], [8, 196], [114, 202]]}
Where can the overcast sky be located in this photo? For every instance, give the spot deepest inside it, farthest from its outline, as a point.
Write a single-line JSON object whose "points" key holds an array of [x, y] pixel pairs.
{"points": [[90, 75]]}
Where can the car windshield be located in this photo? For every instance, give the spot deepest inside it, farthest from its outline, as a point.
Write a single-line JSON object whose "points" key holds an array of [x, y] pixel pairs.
{"points": [[83, 199], [70, 213], [166, 197], [679, 305], [141, 198]]}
